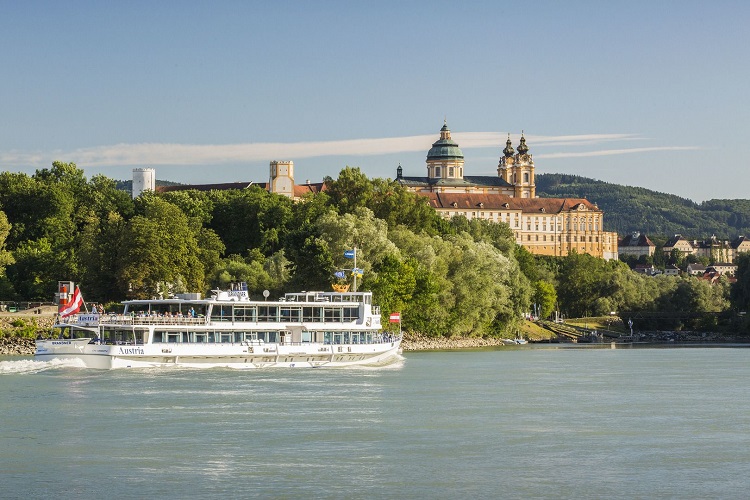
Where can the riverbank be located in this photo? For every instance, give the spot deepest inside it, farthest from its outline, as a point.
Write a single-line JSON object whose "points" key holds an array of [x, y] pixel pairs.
{"points": [[16, 346], [416, 342]]}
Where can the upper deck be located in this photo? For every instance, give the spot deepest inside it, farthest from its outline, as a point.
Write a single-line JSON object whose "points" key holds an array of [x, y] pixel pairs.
{"points": [[222, 308]]}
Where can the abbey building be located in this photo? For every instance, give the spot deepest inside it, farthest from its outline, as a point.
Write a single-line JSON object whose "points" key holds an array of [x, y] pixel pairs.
{"points": [[544, 226]]}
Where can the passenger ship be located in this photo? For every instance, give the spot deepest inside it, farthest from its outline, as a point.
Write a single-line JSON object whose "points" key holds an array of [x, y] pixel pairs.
{"points": [[307, 329]]}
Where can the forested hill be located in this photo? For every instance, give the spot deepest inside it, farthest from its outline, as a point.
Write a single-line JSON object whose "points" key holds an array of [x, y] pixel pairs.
{"points": [[630, 209]]}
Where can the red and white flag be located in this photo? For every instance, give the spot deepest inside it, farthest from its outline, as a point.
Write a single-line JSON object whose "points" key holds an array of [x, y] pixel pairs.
{"points": [[73, 305], [395, 317]]}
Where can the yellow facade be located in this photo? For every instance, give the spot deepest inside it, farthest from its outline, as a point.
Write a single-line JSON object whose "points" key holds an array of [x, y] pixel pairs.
{"points": [[544, 226]]}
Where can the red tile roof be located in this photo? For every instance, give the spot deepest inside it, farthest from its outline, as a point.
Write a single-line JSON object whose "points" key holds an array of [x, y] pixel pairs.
{"points": [[472, 201]]}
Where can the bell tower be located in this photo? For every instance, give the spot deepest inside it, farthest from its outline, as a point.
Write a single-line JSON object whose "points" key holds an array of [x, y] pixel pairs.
{"points": [[517, 169], [282, 178]]}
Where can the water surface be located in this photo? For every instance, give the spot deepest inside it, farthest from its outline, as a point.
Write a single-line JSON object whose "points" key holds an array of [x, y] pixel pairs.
{"points": [[508, 423]]}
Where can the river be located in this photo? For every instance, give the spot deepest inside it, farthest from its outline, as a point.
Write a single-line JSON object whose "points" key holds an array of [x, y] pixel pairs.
{"points": [[530, 422]]}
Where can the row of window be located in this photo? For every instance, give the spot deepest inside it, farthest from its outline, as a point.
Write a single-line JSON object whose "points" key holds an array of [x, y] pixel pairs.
{"points": [[451, 171], [348, 337], [285, 313], [515, 221], [575, 239]]}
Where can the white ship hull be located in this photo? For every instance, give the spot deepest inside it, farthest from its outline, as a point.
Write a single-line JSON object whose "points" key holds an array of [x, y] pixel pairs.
{"points": [[217, 355]]}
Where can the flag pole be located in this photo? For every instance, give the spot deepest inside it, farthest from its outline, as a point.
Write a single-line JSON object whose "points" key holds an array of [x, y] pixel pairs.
{"points": [[355, 267]]}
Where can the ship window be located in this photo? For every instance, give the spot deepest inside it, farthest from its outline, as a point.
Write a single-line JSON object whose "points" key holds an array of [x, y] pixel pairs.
{"points": [[292, 314], [347, 338], [337, 336], [306, 336], [314, 314], [333, 314], [264, 336], [268, 313], [245, 313], [350, 313], [221, 313], [327, 337]]}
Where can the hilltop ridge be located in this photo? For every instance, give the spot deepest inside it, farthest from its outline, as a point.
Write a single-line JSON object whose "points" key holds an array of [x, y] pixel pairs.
{"points": [[629, 208]]}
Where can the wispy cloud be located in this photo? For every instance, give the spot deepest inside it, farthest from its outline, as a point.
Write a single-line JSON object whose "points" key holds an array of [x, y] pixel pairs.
{"points": [[153, 154], [612, 152]]}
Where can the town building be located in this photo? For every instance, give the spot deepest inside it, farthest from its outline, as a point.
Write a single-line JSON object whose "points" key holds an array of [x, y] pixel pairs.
{"points": [[713, 249], [646, 269], [739, 245], [696, 269], [677, 242], [724, 268], [671, 270], [544, 226], [636, 244]]}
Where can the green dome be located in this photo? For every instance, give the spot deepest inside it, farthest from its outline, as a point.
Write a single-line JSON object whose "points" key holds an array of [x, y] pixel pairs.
{"points": [[444, 148]]}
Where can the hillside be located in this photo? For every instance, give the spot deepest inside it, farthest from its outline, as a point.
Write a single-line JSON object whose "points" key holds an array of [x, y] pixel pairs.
{"points": [[630, 209]]}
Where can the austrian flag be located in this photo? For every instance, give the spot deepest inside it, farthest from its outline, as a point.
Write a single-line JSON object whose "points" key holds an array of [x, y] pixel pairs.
{"points": [[73, 305], [395, 318]]}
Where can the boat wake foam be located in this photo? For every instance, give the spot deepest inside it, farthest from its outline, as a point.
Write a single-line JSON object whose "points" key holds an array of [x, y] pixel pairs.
{"points": [[26, 366], [395, 362]]}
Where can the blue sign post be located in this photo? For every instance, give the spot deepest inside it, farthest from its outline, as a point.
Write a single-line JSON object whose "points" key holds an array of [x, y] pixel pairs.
{"points": [[352, 254]]}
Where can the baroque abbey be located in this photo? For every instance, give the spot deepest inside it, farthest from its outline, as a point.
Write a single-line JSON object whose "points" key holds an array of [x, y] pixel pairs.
{"points": [[544, 226]]}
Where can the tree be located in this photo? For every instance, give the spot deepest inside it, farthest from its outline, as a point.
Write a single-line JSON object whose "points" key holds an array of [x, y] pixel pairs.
{"points": [[545, 297], [393, 284], [391, 202], [579, 276], [250, 218], [350, 191], [234, 268], [160, 251], [38, 266], [740, 292], [5, 256], [100, 251]]}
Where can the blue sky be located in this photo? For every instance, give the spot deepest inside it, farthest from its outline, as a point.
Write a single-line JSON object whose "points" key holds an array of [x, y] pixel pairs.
{"points": [[651, 94]]}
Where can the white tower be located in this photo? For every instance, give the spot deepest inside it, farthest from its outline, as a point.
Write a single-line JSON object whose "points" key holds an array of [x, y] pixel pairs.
{"points": [[282, 178], [144, 179]]}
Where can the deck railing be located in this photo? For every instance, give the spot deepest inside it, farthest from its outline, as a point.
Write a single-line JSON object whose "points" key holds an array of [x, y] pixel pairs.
{"points": [[126, 319]]}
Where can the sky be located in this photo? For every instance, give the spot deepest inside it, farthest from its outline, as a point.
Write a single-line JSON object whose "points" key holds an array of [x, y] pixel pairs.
{"points": [[642, 93]]}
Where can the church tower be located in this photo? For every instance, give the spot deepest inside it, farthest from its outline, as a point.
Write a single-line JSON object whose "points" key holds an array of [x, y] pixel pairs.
{"points": [[517, 169], [282, 178], [445, 161]]}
